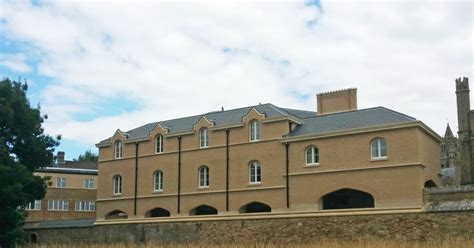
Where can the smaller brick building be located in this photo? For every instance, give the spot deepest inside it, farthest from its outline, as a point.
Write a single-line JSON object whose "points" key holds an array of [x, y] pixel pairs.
{"points": [[71, 193]]}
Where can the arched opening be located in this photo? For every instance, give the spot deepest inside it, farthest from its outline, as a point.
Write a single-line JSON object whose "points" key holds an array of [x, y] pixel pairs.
{"points": [[33, 238], [347, 198], [255, 207], [116, 214], [430, 184], [203, 210], [157, 212]]}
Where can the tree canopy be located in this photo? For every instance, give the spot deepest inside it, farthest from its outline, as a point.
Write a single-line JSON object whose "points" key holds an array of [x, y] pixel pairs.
{"points": [[24, 147], [87, 156]]}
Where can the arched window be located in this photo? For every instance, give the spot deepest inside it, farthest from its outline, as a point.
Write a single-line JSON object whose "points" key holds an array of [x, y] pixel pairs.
{"points": [[157, 212], [203, 176], [378, 148], [347, 198], [116, 214], [203, 138], [203, 210], [118, 149], [158, 181], [255, 171], [255, 207], [312, 156], [254, 131], [159, 143], [117, 185]]}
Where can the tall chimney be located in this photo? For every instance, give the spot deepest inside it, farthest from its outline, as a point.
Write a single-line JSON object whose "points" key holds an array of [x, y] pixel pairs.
{"points": [[464, 133], [60, 158], [337, 101]]}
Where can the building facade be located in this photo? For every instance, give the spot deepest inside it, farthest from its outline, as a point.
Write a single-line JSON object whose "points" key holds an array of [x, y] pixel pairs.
{"points": [[71, 192], [266, 158], [465, 132]]}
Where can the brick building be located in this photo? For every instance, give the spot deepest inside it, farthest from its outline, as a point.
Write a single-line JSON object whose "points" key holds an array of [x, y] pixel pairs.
{"points": [[265, 158], [71, 193]]}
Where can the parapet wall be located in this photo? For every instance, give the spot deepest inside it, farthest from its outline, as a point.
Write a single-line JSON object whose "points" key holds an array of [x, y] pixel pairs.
{"points": [[448, 212], [452, 198]]}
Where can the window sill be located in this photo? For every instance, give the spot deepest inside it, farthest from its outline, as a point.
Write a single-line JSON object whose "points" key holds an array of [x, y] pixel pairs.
{"points": [[203, 188], [158, 153], [311, 165], [157, 191], [117, 195], [378, 159], [254, 184], [253, 141]]}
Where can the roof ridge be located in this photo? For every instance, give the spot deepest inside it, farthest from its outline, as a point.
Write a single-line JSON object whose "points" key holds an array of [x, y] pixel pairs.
{"points": [[359, 110]]}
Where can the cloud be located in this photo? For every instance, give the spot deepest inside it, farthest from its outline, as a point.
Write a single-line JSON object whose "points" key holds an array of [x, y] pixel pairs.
{"points": [[178, 59], [15, 62]]}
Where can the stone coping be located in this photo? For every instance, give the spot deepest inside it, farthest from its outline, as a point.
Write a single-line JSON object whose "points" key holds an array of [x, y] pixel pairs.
{"points": [[450, 189], [281, 215]]}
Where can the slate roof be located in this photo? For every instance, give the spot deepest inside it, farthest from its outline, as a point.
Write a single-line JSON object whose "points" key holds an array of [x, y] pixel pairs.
{"points": [[350, 120], [311, 122], [59, 224]]}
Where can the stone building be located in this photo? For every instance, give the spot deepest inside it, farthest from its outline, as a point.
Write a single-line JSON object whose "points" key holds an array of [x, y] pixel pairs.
{"points": [[71, 193], [265, 158], [465, 133], [450, 158]]}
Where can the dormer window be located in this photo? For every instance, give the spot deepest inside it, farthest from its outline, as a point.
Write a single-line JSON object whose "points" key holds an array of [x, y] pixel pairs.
{"points": [[203, 138], [378, 149], [159, 143], [254, 131], [118, 149]]}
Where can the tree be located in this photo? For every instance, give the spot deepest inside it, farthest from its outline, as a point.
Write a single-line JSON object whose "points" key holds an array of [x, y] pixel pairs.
{"points": [[24, 147], [88, 156]]}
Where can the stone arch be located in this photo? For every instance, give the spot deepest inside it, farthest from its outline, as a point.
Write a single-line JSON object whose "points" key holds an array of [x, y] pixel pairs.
{"points": [[157, 212], [116, 214], [430, 184], [255, 207], [203, 210], [347, 198], [33, 238]]}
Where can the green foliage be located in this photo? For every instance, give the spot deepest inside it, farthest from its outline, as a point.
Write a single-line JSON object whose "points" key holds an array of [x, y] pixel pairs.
{"points": [[23, 148], [88, 156]]}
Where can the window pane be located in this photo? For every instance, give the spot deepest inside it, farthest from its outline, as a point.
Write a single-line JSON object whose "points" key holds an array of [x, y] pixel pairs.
{"points": [[316, 155], [309, 157]]}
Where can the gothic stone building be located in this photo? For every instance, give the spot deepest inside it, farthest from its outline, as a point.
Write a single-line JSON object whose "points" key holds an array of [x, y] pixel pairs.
{"points": [[266, 158]]}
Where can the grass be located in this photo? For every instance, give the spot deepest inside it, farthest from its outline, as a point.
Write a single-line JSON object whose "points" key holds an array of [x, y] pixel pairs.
{"points": [[323, 244]]}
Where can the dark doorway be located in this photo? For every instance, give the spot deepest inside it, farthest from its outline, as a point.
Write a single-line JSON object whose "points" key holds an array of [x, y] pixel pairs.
{"points": [[203, 210], [347, 198], [34, 238], [255, 207], [116, 214], [430, 184], [158, 212]]}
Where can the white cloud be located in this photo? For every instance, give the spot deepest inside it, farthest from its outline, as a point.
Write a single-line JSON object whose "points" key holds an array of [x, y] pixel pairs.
{"points": [[14, 62], [169, 57]]}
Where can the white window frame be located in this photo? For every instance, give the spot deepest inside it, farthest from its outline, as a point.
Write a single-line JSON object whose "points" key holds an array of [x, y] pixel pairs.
{"points": [[33, 205], [85, 206], [58, 205], [203, 177], [159, 144], [158, 181], [89, 183], [255, 172], [376, 149], [118, 149], [60, 182], [254, 131], [117, 185], [203, 138], [313, 156]]}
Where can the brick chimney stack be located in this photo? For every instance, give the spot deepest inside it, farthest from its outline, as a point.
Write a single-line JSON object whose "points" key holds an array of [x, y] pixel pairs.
{"points": [[337, 101], [60, 157]]}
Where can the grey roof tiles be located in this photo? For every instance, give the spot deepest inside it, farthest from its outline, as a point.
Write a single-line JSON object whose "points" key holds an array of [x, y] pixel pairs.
{"points": [[311, 122]]}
